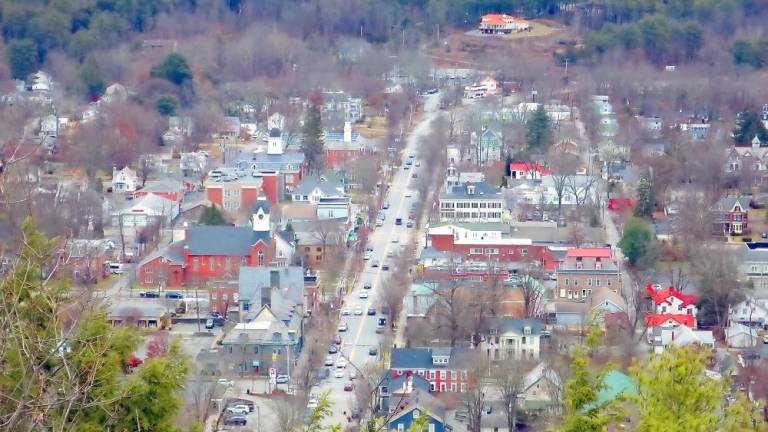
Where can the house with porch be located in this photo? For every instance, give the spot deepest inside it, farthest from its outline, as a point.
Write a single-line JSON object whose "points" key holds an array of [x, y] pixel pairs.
{"points": [[730, 215], [512, 338]]}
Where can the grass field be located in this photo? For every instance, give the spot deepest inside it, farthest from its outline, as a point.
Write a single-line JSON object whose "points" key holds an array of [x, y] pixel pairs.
{"points": [[375, 127]]}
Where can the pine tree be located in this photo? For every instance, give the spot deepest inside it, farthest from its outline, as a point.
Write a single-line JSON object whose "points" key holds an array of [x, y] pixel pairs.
{"points": [[63, 365], [212, 216], [749, 125], [539, 133], [312, 144], [644, 205]]}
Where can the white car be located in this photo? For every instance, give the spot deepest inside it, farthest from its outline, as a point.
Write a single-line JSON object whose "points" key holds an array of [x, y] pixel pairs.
{"points": [[328, 361], [390, 254], [418, 163], [358, 311], [765, 339], [363, 294], [339, 373], [368, 255], [395, 239], [226, 382], [352, 374], [238, 409], [341, 363], [408, 194], [313, 399], [345, 312], [343, 327]]}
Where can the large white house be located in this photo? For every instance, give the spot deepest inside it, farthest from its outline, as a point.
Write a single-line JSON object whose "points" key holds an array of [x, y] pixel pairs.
{"points": [[471, 202], [512, 338], [124, 180], [752, 312]]}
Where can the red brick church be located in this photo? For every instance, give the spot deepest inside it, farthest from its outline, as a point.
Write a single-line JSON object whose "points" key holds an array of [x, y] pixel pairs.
{"points": [[217, 252]]}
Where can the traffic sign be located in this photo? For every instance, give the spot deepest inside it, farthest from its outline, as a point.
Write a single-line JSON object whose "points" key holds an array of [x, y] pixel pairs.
{"points": [[272, 373]]}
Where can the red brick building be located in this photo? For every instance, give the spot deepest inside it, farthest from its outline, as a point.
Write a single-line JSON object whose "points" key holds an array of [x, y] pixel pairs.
{"points": [[170, 190], [488, 241], [213, 252], [341, 149], [436, 365]]}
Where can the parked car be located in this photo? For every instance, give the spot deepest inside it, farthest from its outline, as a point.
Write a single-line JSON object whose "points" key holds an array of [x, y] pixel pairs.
{"points": [[385, 267], [282, 379], [371, 311], [328, 361], [238, 409], [367, 286], [409, 224], [332, 349], [343, 327], [358, 311], [373, 351], [149, 294], [226, 382], [323, 373], [337, 340], [339, 373], [368, 255], [765, 339], [173, 295], [363, 294], [385, 205], [345, 312], [209, 323], [348, 386], [352, 374], [375, 263], [750, 355], [237, 420], [341, 363]]}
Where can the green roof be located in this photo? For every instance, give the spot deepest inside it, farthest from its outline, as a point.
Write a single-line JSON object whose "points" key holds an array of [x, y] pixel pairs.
{"points": [[615, 384]]}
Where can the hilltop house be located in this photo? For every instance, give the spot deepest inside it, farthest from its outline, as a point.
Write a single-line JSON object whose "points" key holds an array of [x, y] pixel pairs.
{"points": [[502, 23]]}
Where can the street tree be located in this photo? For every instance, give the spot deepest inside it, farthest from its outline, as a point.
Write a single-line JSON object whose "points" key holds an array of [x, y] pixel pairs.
{"points": [[539, 133], [508, 377], [715, 269], [166, 105], [636, 241], [563, 166]]}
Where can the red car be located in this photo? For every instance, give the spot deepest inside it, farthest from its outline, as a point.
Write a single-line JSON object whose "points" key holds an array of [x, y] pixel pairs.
{"points": [[348, 386], [337, 340]]}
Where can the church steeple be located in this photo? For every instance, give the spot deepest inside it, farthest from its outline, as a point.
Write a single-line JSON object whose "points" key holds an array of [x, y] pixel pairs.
{"points": [[260, 215]]}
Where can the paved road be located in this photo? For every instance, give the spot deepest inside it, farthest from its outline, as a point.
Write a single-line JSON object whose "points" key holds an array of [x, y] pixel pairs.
{"points": [[361, 335]]}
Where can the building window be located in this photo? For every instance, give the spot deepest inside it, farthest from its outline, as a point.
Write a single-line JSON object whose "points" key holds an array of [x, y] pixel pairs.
{"points": [[261, 257], [431, 386], [454, 376], [442, 375], [463, 387], [196, 264], [442, 387], [431, 374], [400, 427], [523, 252], [211, 262], [453, 387]]}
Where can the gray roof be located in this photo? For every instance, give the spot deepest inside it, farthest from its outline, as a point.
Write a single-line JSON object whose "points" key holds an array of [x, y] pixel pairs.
{"points": [[416, 358], [172, 253], [223, 240], [483, 191], [515, 325], [726, 203], [286, 284], [424, 401], [329, 183], [755, 252], [261, 204]]}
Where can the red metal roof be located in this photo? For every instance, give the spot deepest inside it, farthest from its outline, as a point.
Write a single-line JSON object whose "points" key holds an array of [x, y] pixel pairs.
{"points": [[655, 320], [590, 252], [660, 296], [528, 166]]}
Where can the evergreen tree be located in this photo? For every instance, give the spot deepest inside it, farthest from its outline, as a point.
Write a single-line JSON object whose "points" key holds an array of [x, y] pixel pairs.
{"points": [[507, 167], [539, 133], [644, 205], [748, 125], [62, 366], [580, 398], [312, 143], [173, 68], [212, 216], [636, 240], [166, 105], [22, 58]]}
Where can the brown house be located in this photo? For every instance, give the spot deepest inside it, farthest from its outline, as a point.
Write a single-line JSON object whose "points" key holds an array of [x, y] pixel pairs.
{"points": [[586, 269]]}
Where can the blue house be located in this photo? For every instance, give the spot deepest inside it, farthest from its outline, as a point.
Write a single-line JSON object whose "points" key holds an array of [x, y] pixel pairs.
{"points": [[418, 403]]}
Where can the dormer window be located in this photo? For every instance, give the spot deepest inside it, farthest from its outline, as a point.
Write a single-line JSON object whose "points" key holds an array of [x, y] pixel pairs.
{"points": [[493, 331], [526, 330]]}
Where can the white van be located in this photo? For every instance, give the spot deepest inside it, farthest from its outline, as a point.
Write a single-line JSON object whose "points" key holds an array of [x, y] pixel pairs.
{"points": [[116, 268]]}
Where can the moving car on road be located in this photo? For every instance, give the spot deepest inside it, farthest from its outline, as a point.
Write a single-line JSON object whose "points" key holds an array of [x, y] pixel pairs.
{"points": [[363, 294], [343, 327]]}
